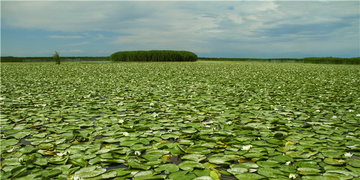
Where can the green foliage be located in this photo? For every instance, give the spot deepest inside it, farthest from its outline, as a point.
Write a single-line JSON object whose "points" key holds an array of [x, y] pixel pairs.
{"points": [[332, 60], [51, 59], [154, 55], [130, 120], [56, 57], [312, 60]]}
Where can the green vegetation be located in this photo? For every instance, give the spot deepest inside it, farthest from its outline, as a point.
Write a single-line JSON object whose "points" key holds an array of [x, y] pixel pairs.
{"points": [[153, 55], [204, 120], [332, 60], [312, 60], [56, 57], [50, 59]]}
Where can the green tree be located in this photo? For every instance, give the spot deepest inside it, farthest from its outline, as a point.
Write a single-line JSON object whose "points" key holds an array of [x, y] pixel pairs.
{"points": [[56, 57]]}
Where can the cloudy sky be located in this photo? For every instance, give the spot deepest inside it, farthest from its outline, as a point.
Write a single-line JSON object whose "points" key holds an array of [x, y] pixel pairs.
{"points": [[257, 29]]}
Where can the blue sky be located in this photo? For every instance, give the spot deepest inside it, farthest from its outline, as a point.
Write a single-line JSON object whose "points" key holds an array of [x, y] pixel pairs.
{"points": [[256, 29]]}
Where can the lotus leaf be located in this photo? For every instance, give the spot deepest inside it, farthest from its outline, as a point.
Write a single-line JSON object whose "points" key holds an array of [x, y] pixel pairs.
{"points": [[203, 178], [285, 117], [270, 172], [306, 164], [190, 165], [354, 162], [139, 147], [41, 161], [249, 176], [119, 161], [106, 175], [317, 178], [332, 161], [27, 177], [78, 162], [52, 173], [198, 150], [180, 175], [288, 168], [194, 157], [219, 159], [282, 158], [353, 169], [168, 136], [308, 171], [121, 171], [344, 172], [151, 157], [155, 162], [88, 172], [237, 170], [168, 168], [9, 142], [136, 165], [157, 152], [18, 171], [268, 163], [337, 176], [244, 165], [11, 162]]}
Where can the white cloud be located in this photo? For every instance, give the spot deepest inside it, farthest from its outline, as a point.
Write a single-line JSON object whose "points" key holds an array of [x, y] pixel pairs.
{"points": [[202, 27]]}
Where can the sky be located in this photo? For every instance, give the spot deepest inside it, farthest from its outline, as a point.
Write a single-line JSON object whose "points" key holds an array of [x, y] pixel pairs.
{"points": [[231, 29]]}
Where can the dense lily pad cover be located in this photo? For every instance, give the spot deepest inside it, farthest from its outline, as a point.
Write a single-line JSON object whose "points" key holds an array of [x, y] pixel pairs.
{"points": [[171, 120]]}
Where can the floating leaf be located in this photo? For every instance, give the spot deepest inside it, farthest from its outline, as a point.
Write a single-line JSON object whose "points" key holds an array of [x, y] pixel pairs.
{"points": [[203, 178], [237, 170], [194, 157], [136, 165], [270, 172], [78, 162], [180, 175], [8, 142], [52, 173], [354, 162], [202, 172], [168, 168], [249, 176], [190, 165], [216, 159], [88, 172], [332, 161], [308, 171]]}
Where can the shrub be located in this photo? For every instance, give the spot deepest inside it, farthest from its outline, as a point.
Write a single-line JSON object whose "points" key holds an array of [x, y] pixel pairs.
{"points": [[153, 55]]}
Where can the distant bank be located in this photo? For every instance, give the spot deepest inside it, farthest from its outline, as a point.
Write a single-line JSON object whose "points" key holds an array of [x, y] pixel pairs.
{"points": [[313, 60]]}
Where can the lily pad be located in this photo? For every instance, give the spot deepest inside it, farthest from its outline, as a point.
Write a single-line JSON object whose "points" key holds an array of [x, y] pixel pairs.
{"points": [[249, 176], [332, 161], [88, 172], [194, 157], [9, 142], [168, 168], [190, 165], [219, 159], [308, 171], [180, 175]]}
